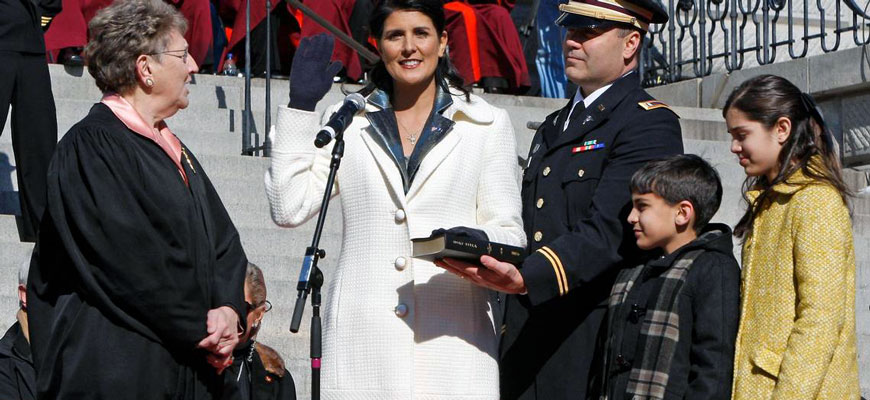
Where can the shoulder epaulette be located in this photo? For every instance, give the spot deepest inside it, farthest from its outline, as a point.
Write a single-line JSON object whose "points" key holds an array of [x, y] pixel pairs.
{"points": [[652, 105]]}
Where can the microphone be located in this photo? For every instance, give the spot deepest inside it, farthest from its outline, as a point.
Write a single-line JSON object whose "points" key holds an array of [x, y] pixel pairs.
{"points": [[340, 119]]}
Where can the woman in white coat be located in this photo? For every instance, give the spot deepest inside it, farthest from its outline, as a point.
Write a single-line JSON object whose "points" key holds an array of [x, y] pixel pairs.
{"points": [[423, 155]]}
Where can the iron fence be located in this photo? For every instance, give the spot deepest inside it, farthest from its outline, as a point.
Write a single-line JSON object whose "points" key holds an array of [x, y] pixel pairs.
{"points": [[708, 36]]}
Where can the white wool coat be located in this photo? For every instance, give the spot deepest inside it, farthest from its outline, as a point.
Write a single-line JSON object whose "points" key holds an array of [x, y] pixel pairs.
{"points": [[445, 346]]}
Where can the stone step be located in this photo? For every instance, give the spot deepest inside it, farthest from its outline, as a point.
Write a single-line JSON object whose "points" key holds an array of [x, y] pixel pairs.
{"points": [[194, 118], [14, 252], [269, 241], [279, 90], [218, 131], [212, 124], [240, 179], [201, 95], [227, 93], [8, 232]]}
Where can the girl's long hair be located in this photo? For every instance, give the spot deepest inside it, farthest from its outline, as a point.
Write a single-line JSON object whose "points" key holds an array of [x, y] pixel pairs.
{"points": [[766, 99], [445, 74]]}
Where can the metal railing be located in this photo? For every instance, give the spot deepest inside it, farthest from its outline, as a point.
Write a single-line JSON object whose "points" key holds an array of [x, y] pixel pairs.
{"points": [[704, 37]]}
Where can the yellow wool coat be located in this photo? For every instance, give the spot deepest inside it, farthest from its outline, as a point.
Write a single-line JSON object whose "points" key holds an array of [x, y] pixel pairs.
{"points": [[796, 338]]}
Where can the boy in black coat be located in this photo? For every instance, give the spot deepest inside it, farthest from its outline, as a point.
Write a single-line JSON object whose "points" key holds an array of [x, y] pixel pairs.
{"points": [[672, 321]]}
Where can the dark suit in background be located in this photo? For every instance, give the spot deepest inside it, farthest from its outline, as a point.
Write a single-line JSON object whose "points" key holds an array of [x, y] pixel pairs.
{"points": [[575, 203], [257, 375], [17, 377], [26, 86]]}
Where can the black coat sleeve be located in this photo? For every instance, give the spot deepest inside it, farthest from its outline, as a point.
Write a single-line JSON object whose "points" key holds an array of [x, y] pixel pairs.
{"points": [[715, 287], [129, 255], [594, 245], [48, 9]]}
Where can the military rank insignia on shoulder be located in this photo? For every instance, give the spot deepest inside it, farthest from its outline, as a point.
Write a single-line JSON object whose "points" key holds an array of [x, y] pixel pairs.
{"points": [[652, 105]]}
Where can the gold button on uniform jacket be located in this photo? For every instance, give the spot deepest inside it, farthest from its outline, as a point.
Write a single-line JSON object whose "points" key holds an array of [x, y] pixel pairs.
{"points": [[797, 321]]}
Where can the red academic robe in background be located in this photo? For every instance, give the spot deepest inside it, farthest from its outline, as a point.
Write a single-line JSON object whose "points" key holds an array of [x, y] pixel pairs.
{"points": [[236, 11], [199, 33], [484, 42], [338, 13], [70, 27]]}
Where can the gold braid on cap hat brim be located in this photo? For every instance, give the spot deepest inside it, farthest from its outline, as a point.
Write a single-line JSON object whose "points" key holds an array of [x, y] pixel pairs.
{"points": [[593, 11]]}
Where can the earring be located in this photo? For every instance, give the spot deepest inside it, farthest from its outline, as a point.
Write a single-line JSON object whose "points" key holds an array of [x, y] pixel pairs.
{"points": [[149, 82]]}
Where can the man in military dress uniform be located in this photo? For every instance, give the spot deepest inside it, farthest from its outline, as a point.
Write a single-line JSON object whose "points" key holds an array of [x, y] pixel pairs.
{"points": [[26, 86], [576, 200]]}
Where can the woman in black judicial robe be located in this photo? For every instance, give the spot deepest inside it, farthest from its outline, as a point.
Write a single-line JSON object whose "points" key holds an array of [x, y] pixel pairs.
{"points": [[136, 290]]}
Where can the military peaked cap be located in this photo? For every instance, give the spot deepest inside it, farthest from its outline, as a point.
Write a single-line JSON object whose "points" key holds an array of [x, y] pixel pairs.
{"points": [[595, 13]]}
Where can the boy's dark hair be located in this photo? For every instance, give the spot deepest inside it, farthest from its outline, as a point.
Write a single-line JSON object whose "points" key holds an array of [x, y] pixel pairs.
{"points": [[682, 177]]}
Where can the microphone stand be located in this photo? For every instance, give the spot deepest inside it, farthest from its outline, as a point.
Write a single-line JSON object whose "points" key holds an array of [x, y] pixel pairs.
{"points": [[246, 114], [267, 144], [310, 270]]}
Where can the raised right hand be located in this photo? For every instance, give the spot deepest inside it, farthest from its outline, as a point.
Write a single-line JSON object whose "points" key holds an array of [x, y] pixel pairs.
{"points": [[311, 73]]}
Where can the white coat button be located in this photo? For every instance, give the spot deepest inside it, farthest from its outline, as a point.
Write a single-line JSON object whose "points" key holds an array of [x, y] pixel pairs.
{"points": [[400, 215], [400, 263], [401, 310]]}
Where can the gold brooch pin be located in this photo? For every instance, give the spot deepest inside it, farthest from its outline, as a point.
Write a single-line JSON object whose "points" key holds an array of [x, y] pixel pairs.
{"points": [[186, 157]]}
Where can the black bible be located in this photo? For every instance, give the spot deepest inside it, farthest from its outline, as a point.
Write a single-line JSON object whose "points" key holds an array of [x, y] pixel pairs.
{"points": [[465, 248]]}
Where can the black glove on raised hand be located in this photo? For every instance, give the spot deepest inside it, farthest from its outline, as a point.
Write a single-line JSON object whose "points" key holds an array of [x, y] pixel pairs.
{"points": [[463, 231], [311, 72]]}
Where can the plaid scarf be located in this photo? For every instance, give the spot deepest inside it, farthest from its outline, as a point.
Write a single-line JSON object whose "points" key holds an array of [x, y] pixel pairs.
{"points": [[659, 332]]}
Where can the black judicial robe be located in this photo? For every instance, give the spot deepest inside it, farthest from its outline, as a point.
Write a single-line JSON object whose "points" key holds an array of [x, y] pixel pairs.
{"points": [[128, 262]]}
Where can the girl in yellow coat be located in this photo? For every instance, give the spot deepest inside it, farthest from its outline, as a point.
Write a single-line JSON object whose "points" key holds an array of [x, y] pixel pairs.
{"points": [[796, 338]]}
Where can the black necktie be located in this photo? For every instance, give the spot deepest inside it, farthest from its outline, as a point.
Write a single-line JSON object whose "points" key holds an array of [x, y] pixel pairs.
{"points": [[575, 113]]}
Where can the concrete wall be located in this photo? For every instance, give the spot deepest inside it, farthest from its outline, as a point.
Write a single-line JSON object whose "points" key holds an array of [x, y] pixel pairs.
{"points": [[839, 81]]}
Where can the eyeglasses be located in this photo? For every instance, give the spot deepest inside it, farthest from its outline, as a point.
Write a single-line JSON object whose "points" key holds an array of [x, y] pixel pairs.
{"points": [[183, 56], [252, 307]]}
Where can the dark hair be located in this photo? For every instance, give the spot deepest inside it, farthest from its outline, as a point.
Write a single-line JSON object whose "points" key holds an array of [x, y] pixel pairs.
{"points": [[766, 99], [445, 75], [682, 177]]}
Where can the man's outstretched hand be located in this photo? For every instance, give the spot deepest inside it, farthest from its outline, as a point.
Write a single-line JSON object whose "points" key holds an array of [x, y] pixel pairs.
{"points": [[490, 273]]}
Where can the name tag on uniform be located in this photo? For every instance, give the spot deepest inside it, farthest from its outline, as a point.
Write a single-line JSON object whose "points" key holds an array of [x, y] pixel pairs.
{"points": [[587, 146]]}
